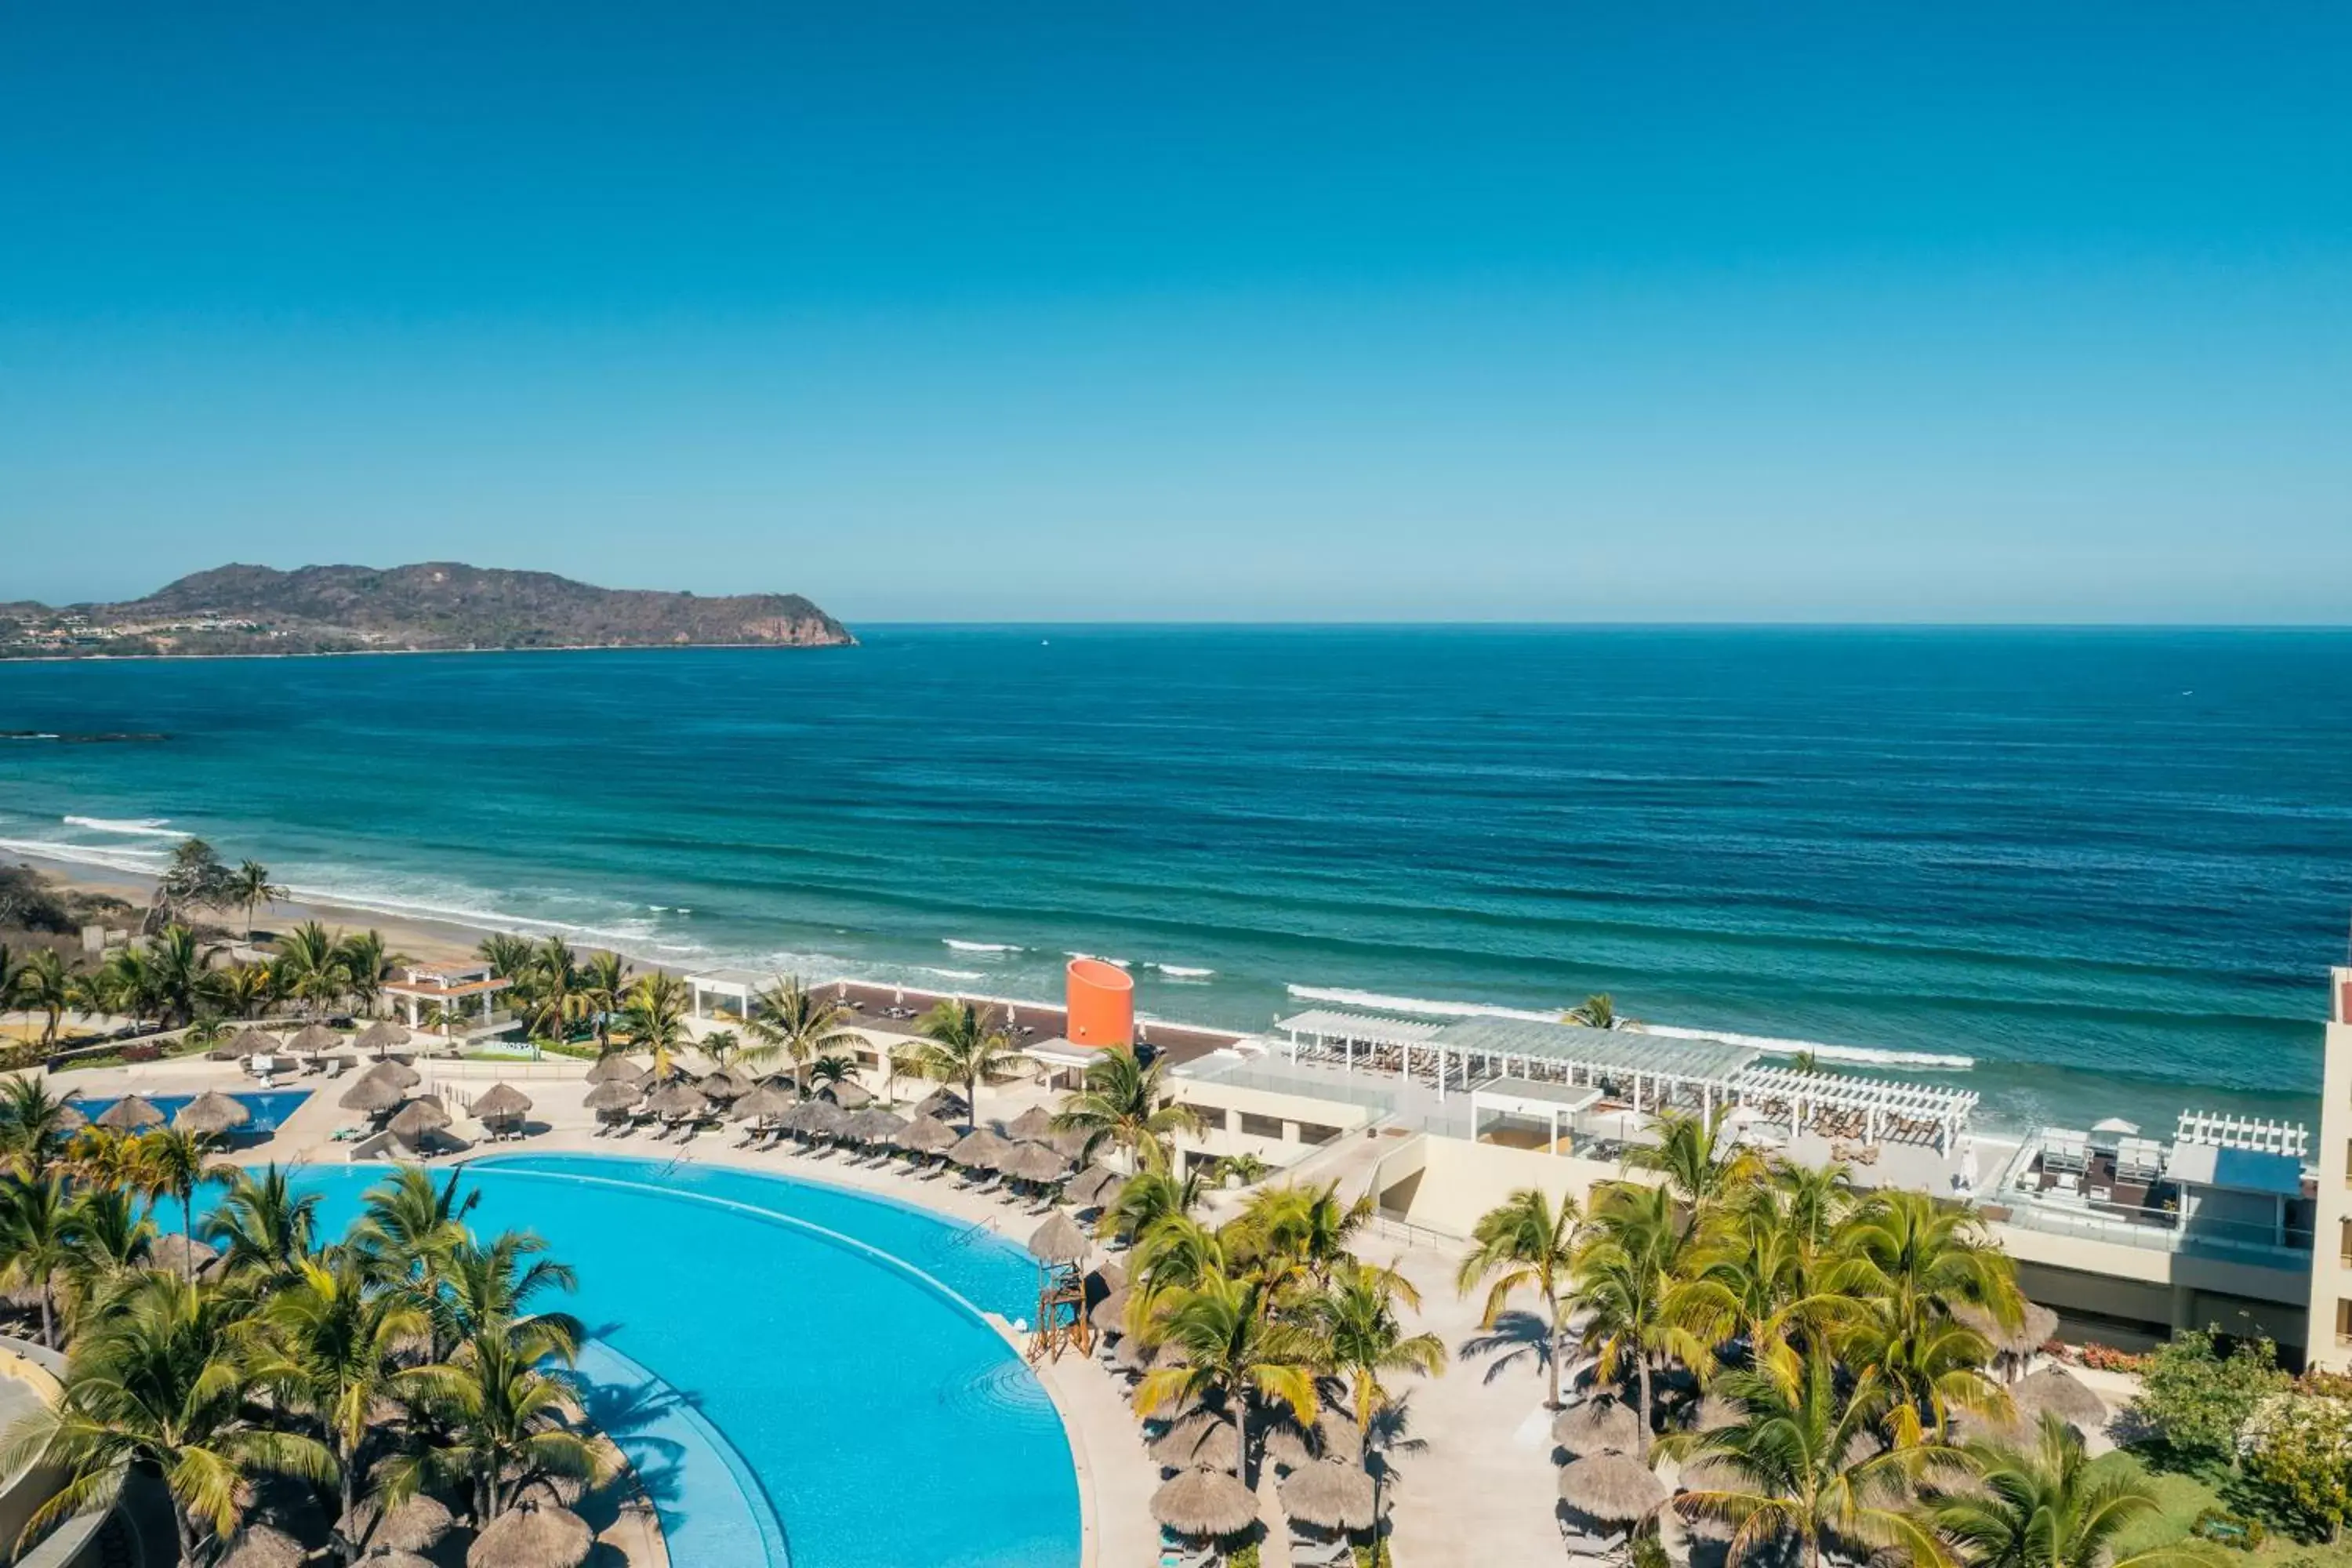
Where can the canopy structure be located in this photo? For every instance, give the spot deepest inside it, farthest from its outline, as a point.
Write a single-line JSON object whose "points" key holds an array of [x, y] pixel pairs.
{"points": [[2217, 1130], [727, 995], [1553, 1104], [1873, 1107]]}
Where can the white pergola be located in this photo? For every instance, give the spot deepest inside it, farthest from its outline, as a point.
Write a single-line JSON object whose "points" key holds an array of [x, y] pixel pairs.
{"points": [[2218, 1131], [1550, 1103], [736, 985], [1654, 1070], [1884, 1104]]}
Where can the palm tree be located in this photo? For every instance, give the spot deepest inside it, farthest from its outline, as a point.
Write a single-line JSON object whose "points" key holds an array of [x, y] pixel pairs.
{"points": [[602, 980], [508, 1423], [310, 967], [1227, 1343], [109, 1236], [250, 885], [1364, 1336], [1294, 1229], [966, 1046], [107, 1159], [1145, 1199], [791, 1021], [2047, 1508], [44, 986], [1631, 1281], [1525, 1243], [409, 1229], [366, 964], [180, 975], [245, 989], [900, 1062], [831, 1072], [262, 1226], [722, 1045], [507, 955], [1126, 1104], [160, 1383], [37, 1242], [125, 982], [494, 1286], [32, 1126], [1804, 1463], [337, 1345], [174, 1162], [1905, 1245], [555, 1001], [1595, 1012], [1697, 1161], [654, 1016]]}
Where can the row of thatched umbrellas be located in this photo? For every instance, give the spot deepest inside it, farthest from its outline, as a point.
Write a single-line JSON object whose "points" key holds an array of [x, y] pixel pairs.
{"points": [[384, 1091], [310, 1040], [536, 1532], [210, 1114]]}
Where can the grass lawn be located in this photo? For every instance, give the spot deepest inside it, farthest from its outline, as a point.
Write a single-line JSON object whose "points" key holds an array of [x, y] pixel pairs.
{"points": [[2183, 1495]]}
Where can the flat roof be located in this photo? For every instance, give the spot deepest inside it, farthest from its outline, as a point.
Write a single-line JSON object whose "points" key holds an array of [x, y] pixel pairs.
{"points": [[1364, 1028], [1564, 1096], [2236, 1170], [1609, 1050]]}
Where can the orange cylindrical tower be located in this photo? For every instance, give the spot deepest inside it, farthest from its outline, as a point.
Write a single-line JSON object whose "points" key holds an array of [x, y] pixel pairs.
{"points": [[1102, 1003]]}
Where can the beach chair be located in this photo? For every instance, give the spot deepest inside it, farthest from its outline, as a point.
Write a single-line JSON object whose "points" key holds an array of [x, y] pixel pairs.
{"points": [[1319, 1551]]}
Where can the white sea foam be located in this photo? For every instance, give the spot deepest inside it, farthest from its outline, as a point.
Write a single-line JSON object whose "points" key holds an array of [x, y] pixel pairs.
{"points": [[1427, 1008], [105, 857], [137, 828], [1103, 958], [1181, 972], [961, 946], [954, 974]]}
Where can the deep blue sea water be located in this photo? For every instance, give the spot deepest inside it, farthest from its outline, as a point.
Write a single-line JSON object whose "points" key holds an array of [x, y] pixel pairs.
{"points": [[2108, 868]]}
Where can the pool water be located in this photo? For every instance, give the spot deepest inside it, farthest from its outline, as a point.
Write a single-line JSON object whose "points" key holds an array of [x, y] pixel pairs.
{"points": [[820, 1383], [270, 1107]]}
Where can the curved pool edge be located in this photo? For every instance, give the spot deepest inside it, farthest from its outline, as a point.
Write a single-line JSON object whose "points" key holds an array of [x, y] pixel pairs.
{"points": [[600, 1363]]}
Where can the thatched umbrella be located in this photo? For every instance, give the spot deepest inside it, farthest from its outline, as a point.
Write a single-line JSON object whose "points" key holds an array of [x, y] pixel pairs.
{"points": [[615, 1067], [928, 1135], [397, 1558], [1109, 1314], [310, 1039], [177, 1254], [1033, 1163], [611, 1095], [943, 1102], [1059, 1241], [764, 1103], [1610, 1486], [875, 1125], [70, 1118], [132, 1113], [249, 1043], [418, 1120], [501, 1102], [678, 1103], [374, 1094], [979, 1150], [1331, 1493], [1598, 1427], [1197, 1502], [727, 1084], [416, 1525], [1093, 1187], [1714, 1413], [398, 1071], [2031, 1334], [530, 1536], [848, 1094], [381, 1036], [2057, 1391], [1112, 1276], [1202, 1441], [1335, 1438], [211, 1113], [1033, 1122], [261, 1546], [820, 1119]]}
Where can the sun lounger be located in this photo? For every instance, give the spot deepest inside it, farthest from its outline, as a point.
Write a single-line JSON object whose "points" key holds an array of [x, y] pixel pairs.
{"points": [[1309, 1552]]}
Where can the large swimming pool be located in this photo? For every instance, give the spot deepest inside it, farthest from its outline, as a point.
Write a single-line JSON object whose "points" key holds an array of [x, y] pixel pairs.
{"points": [[798, 1371]]}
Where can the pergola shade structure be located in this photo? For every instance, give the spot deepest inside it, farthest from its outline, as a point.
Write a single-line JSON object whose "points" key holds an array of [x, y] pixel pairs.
{"points": [[1870, 1109]]}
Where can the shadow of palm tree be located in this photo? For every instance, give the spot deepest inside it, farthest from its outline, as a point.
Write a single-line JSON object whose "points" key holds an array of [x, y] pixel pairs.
{"points": [[625, 1413], [1517, 1336]]}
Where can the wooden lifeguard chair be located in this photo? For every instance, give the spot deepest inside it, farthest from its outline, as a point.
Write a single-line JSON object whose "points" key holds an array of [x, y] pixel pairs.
{"points": [[1060, 1250]]}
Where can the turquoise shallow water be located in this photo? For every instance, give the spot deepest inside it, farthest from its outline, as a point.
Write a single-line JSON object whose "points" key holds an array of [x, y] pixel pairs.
{"points": [[2108, 868], [874, 1420]]}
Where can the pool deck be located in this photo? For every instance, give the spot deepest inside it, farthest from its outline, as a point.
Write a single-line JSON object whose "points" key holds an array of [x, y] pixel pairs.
{"points": [[1480, 1492]]}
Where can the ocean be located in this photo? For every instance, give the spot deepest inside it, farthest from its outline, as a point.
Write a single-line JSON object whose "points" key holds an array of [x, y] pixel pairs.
{"points": [[2082, 872]]}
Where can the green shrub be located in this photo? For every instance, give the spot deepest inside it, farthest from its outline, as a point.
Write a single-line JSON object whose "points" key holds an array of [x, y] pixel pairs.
{"points": [[2201, 1400], [2224, 1527]]}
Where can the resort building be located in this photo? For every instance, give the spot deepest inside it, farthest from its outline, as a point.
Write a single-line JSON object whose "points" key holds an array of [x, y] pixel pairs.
{"points": [[2331, 1272], [449, 997]]}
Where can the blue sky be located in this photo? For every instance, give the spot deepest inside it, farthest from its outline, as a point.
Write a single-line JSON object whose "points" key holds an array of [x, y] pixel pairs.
{"points": [[1713, 311]]}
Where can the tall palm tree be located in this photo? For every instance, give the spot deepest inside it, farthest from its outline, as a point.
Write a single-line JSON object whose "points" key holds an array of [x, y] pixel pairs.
{"points": [[1803, 1463], [125, 982], [108, 1236], [409, 1229], [2044, 1507], [249, 885], [1525, 1243], [1632, 1283], [1365, 1337], [791, 1021], [1928, 1364], [1595, 1012], [653, 1017], [1127, 1105], [1300, 1230], [1700, 1166], [1905, 1245], [174, 1162], [553, 1000], [367, 963], [310, 967], [336, 1344], [44, 986], [160, 1383], [496, 1285], [966, 1044], [262, 1226], [105, 1159], [603, 979], [508, 1423], [33, 1134], [508, 955], [179, 967], [246, 990], [1145, 1199], [37, 1242], [1227, 1343]]}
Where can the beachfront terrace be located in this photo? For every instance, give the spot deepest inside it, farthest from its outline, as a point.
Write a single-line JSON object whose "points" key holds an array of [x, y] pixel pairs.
{"points": [[2244, 1199]]}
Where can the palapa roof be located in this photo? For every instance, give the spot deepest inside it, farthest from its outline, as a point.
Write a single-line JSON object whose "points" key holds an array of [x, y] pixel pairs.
{"points": [[980, 1150], [398, 1072], [262, 1546], [501, 1102], [1112, 1276], [1109, 1314], [396, 1558], [531, 1536], [1331, 1493], [311, 1038], [1714, 1413], [418, 1118], [373, 1093], [1058, 1241], [71, 1118], [414, 1526], [1093, 1187], [615, 1067], [1196, 1502], [383, 1035], [848, 1094], [173, 1253], [942, 1102], [1033, 1163], [767, 1101], [613, 1094], [1335, 1436], [1598, 1427], [2060, 1394], [2039, 1323], [211, 1113], [875, 1125], [928, 1135], [130, 1113], [1610, 1486], [675, 1101], [250, 1043], [817, 1118], [1033, 1122], [727, 1084], [1201, 1440]]}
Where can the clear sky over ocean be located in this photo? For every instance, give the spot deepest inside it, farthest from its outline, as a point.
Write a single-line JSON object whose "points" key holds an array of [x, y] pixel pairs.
{"points": [[1747, 312]]}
